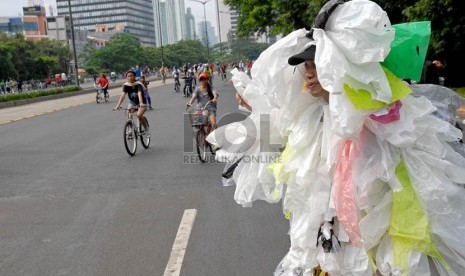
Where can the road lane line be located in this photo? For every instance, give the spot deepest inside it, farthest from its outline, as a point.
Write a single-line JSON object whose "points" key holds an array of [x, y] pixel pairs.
{"points": [[173, 268]]}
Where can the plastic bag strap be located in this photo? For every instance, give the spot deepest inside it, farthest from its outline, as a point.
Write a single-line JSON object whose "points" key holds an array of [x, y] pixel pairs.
{"points": [[324, 14]]}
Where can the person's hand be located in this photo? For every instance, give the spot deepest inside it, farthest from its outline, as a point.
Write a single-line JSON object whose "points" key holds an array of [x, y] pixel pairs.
{"points": [[116, 108], [214, 101]]}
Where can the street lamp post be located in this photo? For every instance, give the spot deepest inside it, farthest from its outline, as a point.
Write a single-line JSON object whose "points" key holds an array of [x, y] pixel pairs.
{"points": [[205, 20], [159, 31], [219, 28], [74, 43]]}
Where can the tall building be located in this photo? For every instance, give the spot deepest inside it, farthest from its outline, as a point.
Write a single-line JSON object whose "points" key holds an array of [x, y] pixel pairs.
{"points": [[34, 23], [59, 28], [11, 25], [234, 16], [190, 25], [157, 22], [171, 28], [211, 34], [164, 25], [136, 16], [172, 21], [224, 21], [180, 10]]}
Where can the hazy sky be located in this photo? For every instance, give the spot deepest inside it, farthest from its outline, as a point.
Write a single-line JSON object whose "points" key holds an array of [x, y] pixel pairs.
{"points": [[11, 8]]}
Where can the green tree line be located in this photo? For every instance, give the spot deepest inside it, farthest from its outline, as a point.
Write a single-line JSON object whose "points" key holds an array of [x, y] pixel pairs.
{"points": [[124, 51], [25, 59], [446, 16]]}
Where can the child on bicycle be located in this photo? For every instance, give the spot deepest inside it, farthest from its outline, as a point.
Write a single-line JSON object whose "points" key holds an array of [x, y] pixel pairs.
{"points": [[103, 83], [135, 91], [203, 94], [145, 85]]}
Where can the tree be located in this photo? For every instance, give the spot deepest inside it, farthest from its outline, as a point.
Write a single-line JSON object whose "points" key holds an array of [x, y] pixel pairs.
{"points": [[284, 16], [448, 32], [274, 16], [21, 58], [7, 69], [122, 52]]}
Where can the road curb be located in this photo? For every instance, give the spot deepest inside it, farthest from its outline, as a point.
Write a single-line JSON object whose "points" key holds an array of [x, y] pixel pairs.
{"points": [[45, 98], [58, 96]]}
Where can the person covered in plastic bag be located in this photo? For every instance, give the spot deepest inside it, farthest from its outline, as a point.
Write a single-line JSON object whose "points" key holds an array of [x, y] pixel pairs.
{"points": [[371, 184]]}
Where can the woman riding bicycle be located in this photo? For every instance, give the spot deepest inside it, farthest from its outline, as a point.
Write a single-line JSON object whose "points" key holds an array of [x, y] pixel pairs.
{"points": [[202, 95], [135, 92]]}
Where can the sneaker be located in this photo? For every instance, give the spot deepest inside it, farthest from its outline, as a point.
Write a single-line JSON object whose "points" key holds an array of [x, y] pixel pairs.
{"points": [[151, 108]]}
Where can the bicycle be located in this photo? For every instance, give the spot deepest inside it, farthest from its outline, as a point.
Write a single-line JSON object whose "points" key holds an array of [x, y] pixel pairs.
{"points": [[188, 86], [101, 96], [133, 129], [202, 127], [177, 85]]}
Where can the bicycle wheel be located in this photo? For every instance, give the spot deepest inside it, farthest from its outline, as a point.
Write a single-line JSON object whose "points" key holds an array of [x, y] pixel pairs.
{"points": [[107, 96], [145, 136], [130, 138], [186, 91], [97, 97], [202, 145]]}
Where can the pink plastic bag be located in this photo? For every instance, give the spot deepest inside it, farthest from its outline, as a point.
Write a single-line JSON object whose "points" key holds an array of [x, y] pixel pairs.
{"points": [[392, 116], [344, 195]]}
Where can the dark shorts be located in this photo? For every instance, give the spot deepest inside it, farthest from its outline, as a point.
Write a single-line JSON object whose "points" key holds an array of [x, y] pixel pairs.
{"points": [[211, 110]]}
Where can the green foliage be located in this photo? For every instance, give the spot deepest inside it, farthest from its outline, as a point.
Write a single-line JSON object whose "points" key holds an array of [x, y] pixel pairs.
{"points": [[448, 30], [20, 58], [274, 16], [30, 95], [460, 91], [283, 16], [7, 69], [122, 52]]}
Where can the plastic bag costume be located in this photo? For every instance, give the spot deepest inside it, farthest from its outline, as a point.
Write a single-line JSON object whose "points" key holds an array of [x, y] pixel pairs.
{"points": [[369, 182]]}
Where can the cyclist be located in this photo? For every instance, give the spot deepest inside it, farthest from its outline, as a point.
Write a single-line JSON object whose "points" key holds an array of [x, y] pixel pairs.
{"points": [[203, 94], [188, 79], [208, 71], [176, 73], [135, 91], [103, 83], [191, 73], [145, 85]]}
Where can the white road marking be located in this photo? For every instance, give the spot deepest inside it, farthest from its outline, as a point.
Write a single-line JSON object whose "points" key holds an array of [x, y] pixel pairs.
{"points": [[173, 268]]}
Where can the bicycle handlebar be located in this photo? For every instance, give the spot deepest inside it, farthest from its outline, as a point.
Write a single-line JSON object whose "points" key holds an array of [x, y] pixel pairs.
{"points": [[201, 108], [127, 109]]}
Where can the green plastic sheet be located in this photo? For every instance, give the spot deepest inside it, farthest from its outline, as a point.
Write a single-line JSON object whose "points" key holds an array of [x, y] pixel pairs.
{"points": [[408, 50], [361, 99], [409, 224]]}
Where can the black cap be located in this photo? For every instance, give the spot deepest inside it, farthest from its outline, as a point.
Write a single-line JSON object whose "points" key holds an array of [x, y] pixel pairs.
{"points": [[308, 54]]}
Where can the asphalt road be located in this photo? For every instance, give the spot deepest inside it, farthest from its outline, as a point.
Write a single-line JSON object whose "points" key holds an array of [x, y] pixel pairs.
{"points": [[72, 201]]}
